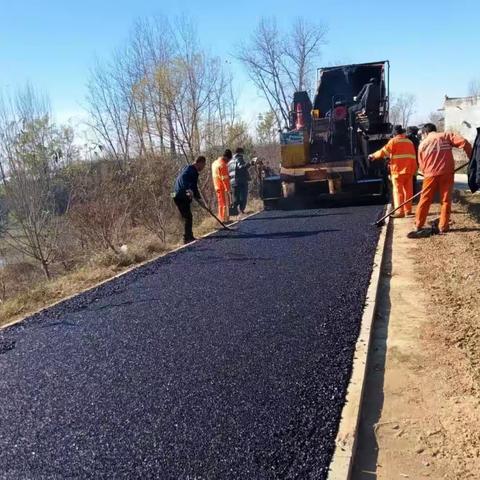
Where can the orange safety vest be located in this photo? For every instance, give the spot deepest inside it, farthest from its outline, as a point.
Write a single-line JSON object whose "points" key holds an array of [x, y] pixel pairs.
{"points": [[403, 157], [221, 179]]}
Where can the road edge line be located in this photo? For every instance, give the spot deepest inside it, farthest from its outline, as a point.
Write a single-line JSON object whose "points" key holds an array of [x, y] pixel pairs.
{"points": [[121, 274], [346, 440]]}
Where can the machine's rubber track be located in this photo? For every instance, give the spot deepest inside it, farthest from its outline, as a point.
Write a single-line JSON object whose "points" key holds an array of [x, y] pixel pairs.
{"points": [[226, 360]]}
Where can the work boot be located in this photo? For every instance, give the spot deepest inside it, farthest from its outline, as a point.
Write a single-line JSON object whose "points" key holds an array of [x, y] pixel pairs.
{"points": [[398, 215], [435, 227], [410, 214], [420, 233]]}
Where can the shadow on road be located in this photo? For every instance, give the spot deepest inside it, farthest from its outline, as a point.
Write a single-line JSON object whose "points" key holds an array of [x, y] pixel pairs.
{"points": [[366, 457], [304, 203]]}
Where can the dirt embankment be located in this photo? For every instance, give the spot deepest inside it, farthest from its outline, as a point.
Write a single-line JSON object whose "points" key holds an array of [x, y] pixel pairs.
{"points": [[448, 267], [421, 414]]}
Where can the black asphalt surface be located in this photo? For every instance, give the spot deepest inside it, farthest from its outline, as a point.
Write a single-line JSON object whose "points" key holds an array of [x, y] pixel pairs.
{"points": [[226, 360]]}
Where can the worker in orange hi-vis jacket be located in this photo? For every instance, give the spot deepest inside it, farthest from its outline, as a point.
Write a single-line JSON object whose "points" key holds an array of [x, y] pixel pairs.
{"points": [[221, 183], [436, 162], [403, 165]]}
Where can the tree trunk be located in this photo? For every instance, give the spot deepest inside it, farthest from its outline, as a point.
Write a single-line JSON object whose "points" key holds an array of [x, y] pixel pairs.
{"points": [[171, 132], [46, 270]]}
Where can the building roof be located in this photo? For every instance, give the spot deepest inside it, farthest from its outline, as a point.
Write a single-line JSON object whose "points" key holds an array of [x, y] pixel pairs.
{"points": [[464, 99]]}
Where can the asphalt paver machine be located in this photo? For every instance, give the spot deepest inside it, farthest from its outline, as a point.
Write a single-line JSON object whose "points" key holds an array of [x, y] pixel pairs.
{"points": [[325, 148]]}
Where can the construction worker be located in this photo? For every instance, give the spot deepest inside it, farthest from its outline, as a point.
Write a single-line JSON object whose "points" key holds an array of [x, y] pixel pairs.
{"points": [[221, 183], [186, 188], [239, 178], [435, 158], [412, 134], [403, 165]]}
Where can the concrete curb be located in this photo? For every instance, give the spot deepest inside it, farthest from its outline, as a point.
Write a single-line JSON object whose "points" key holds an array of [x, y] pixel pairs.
{"points": [[346, 440], [121, 274]]}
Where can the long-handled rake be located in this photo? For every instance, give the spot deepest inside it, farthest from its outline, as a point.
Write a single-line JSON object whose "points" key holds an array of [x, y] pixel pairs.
{"points": [[207, 209], [381, 221]]}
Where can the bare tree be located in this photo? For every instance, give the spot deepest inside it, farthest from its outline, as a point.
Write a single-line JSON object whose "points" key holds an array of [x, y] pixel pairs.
{"points": [[267, 129], [280, 63], [100, 209], [301, 46], [438, 119], [110, 110], [33, 150], [162, 94], [474, 87], [402, 109], [150, 196]]}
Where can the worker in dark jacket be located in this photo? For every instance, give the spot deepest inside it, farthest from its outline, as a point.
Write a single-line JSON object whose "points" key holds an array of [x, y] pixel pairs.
{"points": [[239, 178], [412, 135], [186, 188], [474, 165]]}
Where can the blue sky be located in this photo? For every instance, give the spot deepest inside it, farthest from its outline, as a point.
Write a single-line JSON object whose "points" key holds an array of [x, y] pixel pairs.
{"points": [[432, 45]]}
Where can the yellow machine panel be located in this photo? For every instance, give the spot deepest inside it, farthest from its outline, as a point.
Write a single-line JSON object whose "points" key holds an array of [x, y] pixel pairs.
{"points": [[294, 148]]}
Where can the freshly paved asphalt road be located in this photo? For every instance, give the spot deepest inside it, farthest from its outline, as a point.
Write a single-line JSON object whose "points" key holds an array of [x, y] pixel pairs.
{"points": [[227, 360]]}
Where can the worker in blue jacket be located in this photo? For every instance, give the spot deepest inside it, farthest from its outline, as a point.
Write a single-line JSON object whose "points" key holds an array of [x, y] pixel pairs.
{"points": [[186, 188]]}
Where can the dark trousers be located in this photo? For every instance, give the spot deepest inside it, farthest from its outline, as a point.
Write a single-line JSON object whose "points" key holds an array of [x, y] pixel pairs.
{"points": [[240, 196], [415, 186], [184, 207]]}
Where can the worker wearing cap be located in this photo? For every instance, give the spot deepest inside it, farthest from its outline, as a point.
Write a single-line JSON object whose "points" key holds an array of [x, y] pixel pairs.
{"points": [[403, 165], [221, 183], [435, 158]]}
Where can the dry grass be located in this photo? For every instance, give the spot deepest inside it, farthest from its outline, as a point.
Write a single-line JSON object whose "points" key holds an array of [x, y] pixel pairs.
{"points": [[47, 293], [99, 268], [34, 293]]}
